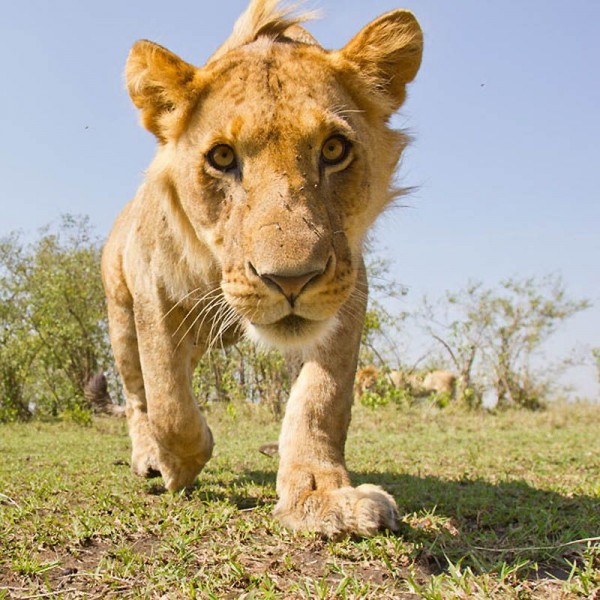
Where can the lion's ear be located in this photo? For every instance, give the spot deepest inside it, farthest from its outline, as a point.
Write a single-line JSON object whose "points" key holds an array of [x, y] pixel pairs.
{"points": [[160, 85], [387, 53]]}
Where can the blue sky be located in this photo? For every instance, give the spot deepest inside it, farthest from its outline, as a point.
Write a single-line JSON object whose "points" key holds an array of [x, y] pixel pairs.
{"points": [[505, 114]]}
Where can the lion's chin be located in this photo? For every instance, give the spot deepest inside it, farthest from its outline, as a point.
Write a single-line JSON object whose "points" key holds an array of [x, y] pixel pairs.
{"points": [[292, 332]]}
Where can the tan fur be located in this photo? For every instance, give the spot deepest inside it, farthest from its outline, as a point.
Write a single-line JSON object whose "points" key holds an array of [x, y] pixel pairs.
{"points": [[442, 382], [420, 383], [271, 250], [365, 380]]}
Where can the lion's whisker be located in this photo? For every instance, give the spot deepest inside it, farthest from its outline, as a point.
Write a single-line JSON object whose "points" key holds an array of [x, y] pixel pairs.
{"points": [[204, 311], [191, 310], [178, 303], [228, 318], [210, 285], [224, 313], [203, 314]]}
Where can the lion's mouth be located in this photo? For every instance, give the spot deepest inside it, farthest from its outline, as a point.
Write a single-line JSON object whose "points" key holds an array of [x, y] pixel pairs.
{"points": [[291, 324], [291, 330]]}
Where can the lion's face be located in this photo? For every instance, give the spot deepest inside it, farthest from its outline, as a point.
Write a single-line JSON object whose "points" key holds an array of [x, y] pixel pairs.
{"points": [[280, 161], [278, 149]]}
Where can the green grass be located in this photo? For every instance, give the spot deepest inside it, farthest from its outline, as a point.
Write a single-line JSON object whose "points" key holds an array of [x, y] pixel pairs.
{"points": [[493, 506]]}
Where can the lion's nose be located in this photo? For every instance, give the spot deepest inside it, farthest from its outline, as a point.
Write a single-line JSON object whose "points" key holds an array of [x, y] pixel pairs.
{"points": [[291, 286]]}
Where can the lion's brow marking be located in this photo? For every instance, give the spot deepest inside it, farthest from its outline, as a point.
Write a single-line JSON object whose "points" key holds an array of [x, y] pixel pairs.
{"points": [[341, 111]]}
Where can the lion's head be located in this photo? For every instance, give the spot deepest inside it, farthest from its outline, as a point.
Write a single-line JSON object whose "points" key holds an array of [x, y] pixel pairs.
{"points": [[277, 156]]}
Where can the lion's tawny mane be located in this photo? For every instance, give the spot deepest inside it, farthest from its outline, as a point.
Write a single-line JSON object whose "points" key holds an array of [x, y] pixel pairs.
{"points": [[273, 160]]}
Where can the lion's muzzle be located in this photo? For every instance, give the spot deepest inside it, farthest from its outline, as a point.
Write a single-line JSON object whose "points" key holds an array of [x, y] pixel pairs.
{"points": [[291, 283]]}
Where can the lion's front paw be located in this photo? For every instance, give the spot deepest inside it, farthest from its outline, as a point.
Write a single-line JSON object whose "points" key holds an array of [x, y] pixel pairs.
{"points": [[180, 471], [363, 510], [144, 457]]}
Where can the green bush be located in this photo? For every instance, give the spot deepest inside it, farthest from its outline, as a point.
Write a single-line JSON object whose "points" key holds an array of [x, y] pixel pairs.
{"points": [[53, 330], [372, 399], [384, 392], [441, 399]]}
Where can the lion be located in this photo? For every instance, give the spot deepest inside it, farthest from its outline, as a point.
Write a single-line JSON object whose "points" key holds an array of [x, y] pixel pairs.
{"points": [[419, 383], [272, 162], [440, 382], [365, 380]]}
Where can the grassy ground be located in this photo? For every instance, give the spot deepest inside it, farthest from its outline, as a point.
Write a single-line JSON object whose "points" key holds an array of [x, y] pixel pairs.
{"points": [[494, 506]]}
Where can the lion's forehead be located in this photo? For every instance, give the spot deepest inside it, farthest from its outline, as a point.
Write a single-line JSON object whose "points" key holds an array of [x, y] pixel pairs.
{"points": [[273, 70], [276, 94]]}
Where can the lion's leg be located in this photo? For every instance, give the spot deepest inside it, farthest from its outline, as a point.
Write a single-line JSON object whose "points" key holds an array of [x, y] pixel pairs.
{"points": [[183, 439], [312, 482], [144, 455]]}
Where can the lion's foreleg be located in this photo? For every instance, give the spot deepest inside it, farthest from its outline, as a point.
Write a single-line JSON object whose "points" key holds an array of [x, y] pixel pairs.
{"points": [[183, 438], [144, 455], [312, 482]]}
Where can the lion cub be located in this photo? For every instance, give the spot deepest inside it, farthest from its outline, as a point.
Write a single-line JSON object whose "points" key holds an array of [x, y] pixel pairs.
{"points": [[273, 160]]}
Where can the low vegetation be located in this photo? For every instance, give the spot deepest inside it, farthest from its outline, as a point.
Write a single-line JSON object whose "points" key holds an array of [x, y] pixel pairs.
{"points": [[502, 505]]}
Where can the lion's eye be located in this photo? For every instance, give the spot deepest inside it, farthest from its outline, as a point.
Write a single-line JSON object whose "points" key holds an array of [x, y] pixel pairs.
{"points": [[335, 150], [222, 157]]}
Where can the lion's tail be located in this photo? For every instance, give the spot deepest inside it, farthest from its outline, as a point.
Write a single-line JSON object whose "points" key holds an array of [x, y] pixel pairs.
{"points": [[98, 398]]}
